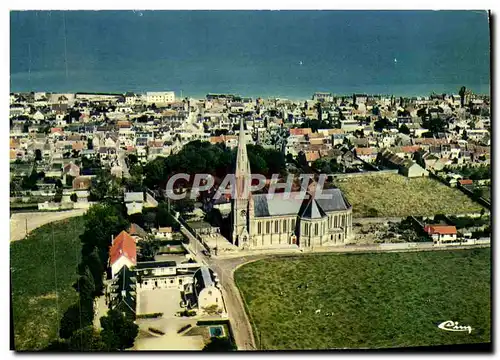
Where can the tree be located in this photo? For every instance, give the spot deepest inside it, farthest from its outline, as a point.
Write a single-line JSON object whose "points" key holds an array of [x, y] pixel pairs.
{"points": [[164, 217], [38, 155], [85, 286], [102, 222], [57, 345], [403, 129], [381, 124], [149, 248], [185, 205], [58, 195], [86, 339], [75, 317], [461, 92], [74, 197], [322, 166], [118, 331], [219, 344], [92, 263], [104, 186]]}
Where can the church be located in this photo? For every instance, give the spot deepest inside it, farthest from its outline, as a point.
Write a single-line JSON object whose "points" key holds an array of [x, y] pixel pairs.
{"points": [[267, 221]]}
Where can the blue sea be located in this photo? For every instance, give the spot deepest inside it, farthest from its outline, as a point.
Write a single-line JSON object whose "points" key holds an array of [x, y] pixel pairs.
{"points": [[252, 53]]}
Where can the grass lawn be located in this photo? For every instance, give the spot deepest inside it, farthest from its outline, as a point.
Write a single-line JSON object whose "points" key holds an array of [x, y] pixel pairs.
{"points": [[34, 276], [375, 300], [395, 195]]}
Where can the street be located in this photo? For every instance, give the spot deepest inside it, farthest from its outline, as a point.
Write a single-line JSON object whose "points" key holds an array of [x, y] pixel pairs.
{"points": [[22, 222]]}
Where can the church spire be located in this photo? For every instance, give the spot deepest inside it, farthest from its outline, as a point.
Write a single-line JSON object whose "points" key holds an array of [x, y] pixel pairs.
{"points": [[242, 172]]}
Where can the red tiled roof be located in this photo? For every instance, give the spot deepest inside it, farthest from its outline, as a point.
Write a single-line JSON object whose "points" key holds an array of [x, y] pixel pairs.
{"points": [[300, 131], [53, 130], [465, 182], [77, 146], [216, 139], [312, 156], [123, 245], [410, 149], [440, 229], [364, 151]]}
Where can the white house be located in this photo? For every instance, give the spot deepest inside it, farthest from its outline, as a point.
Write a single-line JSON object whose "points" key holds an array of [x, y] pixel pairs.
{"points": [[164, 275], [441, 233], [204, 293]]}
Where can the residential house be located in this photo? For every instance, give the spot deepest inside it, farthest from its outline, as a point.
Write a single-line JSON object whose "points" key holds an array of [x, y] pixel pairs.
{"points": [[123, 252], [204, 293], [406, 167], [368, 154], [441, 234]]}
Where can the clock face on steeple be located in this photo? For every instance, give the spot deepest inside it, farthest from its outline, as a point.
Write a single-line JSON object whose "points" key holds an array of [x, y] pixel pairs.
{"points": [[243, 213]]}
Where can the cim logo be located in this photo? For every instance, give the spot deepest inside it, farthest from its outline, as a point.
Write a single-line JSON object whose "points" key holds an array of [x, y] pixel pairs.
{"points": [[450, 325]]}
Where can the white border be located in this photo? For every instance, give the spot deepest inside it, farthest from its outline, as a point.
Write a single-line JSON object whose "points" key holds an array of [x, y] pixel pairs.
{"points": [[209, 5]]}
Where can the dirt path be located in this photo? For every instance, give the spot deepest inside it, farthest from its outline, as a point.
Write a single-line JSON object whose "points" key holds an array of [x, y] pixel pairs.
{"points": [[20, 222]]}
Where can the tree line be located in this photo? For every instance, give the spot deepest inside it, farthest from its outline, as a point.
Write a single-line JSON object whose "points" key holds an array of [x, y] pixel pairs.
{"points": [[76, 331]]}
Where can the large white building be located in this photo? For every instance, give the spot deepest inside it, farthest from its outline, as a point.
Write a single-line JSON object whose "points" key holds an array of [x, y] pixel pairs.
{"points": [[160, 97]]}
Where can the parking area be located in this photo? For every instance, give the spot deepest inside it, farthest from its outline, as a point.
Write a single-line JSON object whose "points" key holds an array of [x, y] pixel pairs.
{"points": [[166, 301]]}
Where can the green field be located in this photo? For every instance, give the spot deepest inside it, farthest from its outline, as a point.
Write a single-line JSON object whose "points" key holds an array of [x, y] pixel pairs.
{"points": [[395, 195], [375, 300], [35, 271]]}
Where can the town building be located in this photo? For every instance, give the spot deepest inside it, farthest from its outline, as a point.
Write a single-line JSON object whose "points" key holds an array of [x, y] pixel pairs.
{"points": [[160, 97]]}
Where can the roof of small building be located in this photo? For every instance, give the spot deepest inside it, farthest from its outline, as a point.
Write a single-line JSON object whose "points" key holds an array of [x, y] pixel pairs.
{"points": [[123, 245], [440, 229], [134, 197]]}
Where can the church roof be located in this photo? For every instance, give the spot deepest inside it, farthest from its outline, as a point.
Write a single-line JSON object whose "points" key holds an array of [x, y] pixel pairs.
{"points": [[279, 205], [312, 210]]}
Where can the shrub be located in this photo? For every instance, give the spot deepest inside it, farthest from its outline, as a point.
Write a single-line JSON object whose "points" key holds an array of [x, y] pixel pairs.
{"points": [[156, 331], [183, 328], [149, 316]]}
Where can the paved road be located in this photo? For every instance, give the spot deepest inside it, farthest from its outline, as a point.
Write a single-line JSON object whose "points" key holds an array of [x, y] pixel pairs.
{"points": [[240, 323], [33, 220], [122, 163]]}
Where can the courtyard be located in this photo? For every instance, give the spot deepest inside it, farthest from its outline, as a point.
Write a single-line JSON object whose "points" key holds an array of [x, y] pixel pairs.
{"points": [[166, 301]]}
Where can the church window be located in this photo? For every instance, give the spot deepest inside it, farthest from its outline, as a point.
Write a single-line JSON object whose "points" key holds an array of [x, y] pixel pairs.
{"points": [[284, 225], [315, 229], [276, 226], [306, 229], [268, 227], [259, 228], [293, 224]]}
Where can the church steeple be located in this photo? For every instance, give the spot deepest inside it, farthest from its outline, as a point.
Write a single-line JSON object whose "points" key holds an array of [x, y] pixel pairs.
{"points": [[242, 171], [240, 201]]}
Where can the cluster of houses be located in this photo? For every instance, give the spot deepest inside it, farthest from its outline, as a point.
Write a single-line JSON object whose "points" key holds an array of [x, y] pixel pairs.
{"points": [[66, 131], [197, 284]]}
